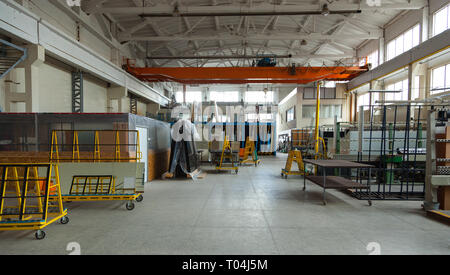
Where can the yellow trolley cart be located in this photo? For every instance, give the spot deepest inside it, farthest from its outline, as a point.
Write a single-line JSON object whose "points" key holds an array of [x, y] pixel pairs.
{"points": [[250, 153], [24, 197], [227, 154], [293, 156], [104, 147]]}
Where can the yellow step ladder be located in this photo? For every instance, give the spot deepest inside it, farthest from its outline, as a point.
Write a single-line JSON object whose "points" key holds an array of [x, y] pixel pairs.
{"points": [[250, 150], [293, 156]]}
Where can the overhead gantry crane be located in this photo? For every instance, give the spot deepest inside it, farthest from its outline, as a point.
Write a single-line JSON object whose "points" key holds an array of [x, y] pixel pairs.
{"points": [[244, 75]]}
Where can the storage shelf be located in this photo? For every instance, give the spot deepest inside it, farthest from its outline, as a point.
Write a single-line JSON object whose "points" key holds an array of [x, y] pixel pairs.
{"points": [[335, 182]]}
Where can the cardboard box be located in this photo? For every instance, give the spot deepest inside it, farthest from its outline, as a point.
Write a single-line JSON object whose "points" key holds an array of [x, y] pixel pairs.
{"points": [[444, 197]]}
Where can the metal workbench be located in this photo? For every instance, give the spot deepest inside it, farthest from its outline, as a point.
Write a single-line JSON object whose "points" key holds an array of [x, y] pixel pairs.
{"points": [[337, 182]]}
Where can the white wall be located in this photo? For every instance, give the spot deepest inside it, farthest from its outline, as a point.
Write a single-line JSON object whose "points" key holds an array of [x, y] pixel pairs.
{"points": [[95, 99], [282, 124], [407, 21], [437, 4], [55, 88]]}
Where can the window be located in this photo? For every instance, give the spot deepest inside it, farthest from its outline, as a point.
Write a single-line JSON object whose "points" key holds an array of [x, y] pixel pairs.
{"points": [[416, 90], [262, 117], [259, 97], [363, 100], [440, 80], [326, 111], [290, 114], [230, 96], [325, 93], [373, 59], [179, 97], [441, 20], [398, 86], [191, 96], [403, 42]]}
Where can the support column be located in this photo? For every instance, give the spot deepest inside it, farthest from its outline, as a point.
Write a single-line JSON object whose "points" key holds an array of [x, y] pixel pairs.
{"points": [[381, 54], [425, 25], [119, 95], [30, 96]]}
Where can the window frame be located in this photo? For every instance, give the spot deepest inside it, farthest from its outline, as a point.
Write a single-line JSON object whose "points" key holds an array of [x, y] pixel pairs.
{"points": [[288, 111], [447, 8], [446, 72], [401, 38]]}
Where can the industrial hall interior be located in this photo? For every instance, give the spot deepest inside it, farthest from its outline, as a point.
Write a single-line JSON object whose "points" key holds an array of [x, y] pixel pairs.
{"points": [[224, 127]]}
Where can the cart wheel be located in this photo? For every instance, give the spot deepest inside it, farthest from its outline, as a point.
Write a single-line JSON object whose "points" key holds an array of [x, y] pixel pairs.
{"points": [[140, 198], [370, 203], [130, 205], [324, 203], [237, 171], [40, 235], [64, 220]]}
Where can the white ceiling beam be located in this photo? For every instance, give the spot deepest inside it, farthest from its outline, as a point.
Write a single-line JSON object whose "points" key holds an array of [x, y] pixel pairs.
{"points": [[265, 7], [226, 36], [104, 25]]}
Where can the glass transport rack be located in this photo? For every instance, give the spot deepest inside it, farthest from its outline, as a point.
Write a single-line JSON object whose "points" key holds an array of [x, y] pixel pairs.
{"points": [[24, 197]]}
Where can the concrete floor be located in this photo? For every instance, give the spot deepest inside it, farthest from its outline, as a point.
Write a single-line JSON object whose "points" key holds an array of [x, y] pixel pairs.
{"points": [[254, 212]]}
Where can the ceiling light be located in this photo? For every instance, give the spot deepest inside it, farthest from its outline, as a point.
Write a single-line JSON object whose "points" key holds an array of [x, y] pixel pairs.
{"points": [[325, 10]]}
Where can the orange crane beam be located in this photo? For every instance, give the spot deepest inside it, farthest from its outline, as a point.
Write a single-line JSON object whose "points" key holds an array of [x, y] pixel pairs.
{"points": [[243, 75]]}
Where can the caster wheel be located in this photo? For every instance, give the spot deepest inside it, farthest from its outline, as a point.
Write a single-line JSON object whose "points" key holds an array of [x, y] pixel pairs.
{"points": [[140, 198], [64, 220], [324, 203], [370, 203], [130, 205], [237, 172], [40, 235]]}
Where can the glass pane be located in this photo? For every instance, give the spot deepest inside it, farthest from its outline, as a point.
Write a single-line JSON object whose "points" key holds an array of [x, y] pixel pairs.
{"points": [[405, 85], [416, 91], [391, 50], [179, 97], [216, 96], [373, 59], [438, 79], [193, 97], [231, 96], [416, 36], [440, 21], [259, 97], [399, 45], [308, 111], [447, 77], [408, 40]]}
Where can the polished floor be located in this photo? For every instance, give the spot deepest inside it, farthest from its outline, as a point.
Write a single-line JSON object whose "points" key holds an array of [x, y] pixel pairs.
{"points": [[254, 212]]}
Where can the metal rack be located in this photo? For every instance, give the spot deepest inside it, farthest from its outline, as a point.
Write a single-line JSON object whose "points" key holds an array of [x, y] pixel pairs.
{"points": [[24, 197], [436, 175], [114, 151], [400, 172], [99, 154]]}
